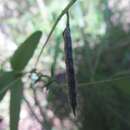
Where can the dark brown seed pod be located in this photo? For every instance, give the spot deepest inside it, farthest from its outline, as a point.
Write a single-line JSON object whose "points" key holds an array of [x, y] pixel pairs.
{"points": [[69, 66]]}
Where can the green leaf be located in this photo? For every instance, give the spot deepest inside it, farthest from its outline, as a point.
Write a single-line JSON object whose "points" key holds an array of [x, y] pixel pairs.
{"points": [[6, 79], [25, 51], [15, 104], [2, 95]]}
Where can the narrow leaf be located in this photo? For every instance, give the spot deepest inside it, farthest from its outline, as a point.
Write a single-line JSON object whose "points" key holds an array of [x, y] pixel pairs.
{"points": [[25, 51], [15, 104], [2, 95], [6, 79]]}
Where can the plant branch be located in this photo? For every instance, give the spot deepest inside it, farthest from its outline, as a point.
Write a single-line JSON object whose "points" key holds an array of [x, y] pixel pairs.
{"points": [[45, 122], [32, 111], [94, 83], [37, 102], [53, 28], [103, 81]]}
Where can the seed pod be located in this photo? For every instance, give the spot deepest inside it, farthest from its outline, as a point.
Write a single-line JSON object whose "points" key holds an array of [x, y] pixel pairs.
{"points": [[69, 66]]}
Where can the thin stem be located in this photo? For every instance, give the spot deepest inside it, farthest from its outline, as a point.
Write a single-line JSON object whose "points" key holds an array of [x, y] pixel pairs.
{"points": [[45, 122], [53, 28], [98, 57], [95, 83], [37, 102], [103, 81], [32, 111]]}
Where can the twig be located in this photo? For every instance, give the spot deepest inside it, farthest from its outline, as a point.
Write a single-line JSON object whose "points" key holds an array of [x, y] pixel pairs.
{"points": [[37, 102], [94, 83], [32, 111], [103, 81], [45, 121], [53, 28]]}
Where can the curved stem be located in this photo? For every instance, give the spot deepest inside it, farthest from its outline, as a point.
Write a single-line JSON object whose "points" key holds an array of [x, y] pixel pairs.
{"points": [[53, 28]]}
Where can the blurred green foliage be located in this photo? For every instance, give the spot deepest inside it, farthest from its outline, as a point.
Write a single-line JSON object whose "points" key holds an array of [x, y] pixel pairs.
{"points": [[101, 52]]}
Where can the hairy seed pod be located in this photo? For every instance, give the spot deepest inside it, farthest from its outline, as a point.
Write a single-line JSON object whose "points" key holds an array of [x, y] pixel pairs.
{"points": [[69, 66]]}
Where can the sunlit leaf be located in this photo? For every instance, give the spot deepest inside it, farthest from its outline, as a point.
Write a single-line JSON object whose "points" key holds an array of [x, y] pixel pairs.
{"points": [[15, 104], [24, 53]]}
